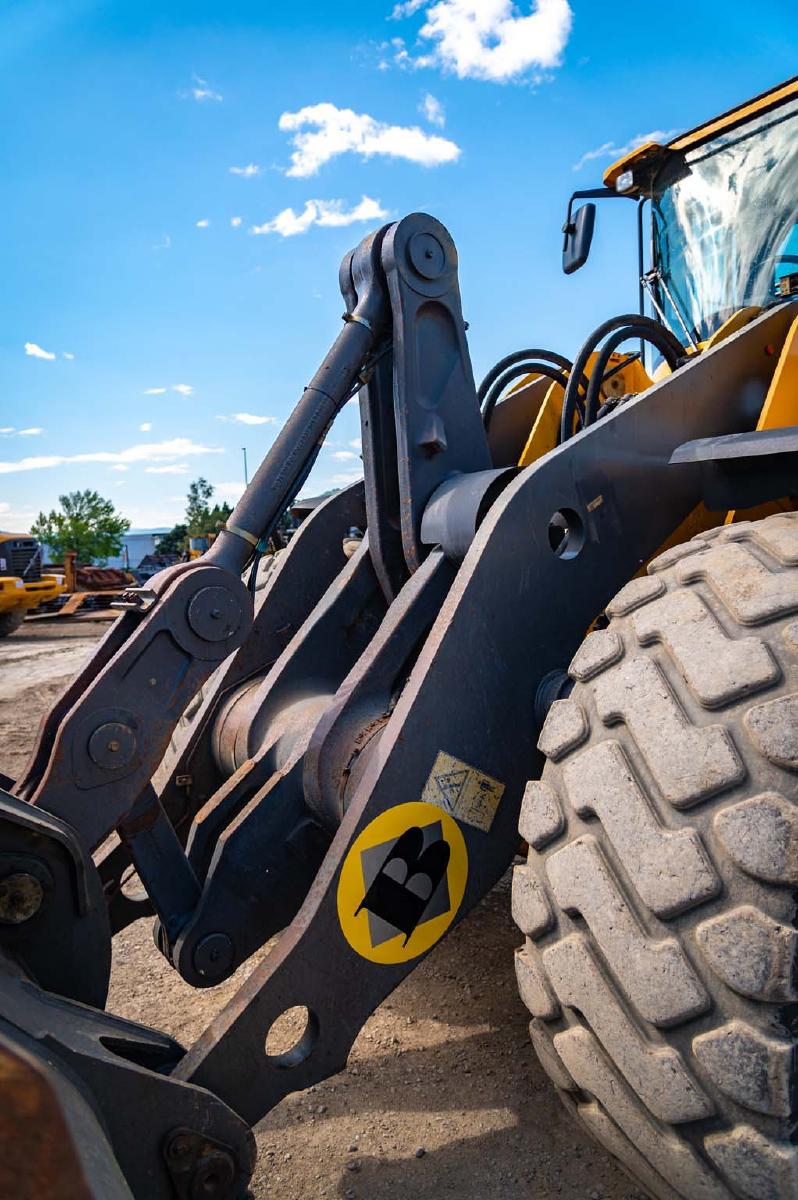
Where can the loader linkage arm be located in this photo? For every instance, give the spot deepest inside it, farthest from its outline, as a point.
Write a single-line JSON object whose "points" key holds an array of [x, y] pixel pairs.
{"points": [[362, 725]]}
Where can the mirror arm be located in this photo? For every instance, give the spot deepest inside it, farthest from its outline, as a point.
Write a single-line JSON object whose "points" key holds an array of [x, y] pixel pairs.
{"points": [[601, 193]]}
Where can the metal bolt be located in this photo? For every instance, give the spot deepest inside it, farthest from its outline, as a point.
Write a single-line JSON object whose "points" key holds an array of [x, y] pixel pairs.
{"points": [[213, 956], [21, 897], [427, 254], [113, 745], [214, 1176], [215, 613], [179, 1146]]}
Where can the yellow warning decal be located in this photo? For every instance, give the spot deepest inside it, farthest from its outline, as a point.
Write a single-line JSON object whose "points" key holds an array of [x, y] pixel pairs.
{"points": [[402, 883], [462, 790]]}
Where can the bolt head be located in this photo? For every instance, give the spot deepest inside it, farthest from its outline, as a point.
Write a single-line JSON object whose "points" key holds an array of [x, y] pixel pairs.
{"points": [[214, 613], [113, 745], [213, 956], [426, 254], [179, 1146], [21, 897], [213, 1176]]}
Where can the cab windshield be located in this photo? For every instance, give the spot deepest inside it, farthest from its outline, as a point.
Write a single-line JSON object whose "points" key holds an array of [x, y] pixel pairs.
{"points": [[725, 222]]}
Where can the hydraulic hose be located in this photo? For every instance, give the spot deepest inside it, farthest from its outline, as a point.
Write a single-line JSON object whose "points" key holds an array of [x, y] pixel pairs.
{"points": [[593, 397], [539, 362], [518, 372], [630, 325]]}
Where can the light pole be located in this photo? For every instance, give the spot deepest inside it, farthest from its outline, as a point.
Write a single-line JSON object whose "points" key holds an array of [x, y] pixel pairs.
{"points": [[246, 472]]}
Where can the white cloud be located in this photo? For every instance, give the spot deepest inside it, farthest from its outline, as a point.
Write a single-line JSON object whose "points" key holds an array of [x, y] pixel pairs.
{"points": [[247, 172], [321, 212], [36, 351], [488, 39], [356, 444], [16, 518], [236, 221], [202, 91], [249, 419], [145, 426], [432, 109], [174, 469], [344, 455], [151, 452], [343, 478], [33, 431], [154, 391], [185, 389], [614, 151], [229, 491], [120, 467], [5, 430], [322, 132], [203, 224], [66, 354]]}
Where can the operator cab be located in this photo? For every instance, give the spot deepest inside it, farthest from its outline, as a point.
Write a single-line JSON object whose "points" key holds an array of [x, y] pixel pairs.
{"points": [[721, 206]]}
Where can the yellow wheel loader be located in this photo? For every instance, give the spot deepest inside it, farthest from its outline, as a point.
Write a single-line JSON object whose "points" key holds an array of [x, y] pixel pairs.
{"points": [[574, 612], [22, 585]]}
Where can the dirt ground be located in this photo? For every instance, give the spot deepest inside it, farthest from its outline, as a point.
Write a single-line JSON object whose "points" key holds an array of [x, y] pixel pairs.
{"points": [[442, 1097]]}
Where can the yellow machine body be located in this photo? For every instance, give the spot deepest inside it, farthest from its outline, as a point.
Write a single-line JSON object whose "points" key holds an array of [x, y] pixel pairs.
{"points": [[18, 551]]}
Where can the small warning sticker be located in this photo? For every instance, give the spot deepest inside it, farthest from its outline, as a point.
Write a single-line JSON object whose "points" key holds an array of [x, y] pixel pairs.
{"points": [[463, 791]]}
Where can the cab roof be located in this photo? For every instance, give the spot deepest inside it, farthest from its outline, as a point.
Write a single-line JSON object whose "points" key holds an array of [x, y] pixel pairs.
{"points": [[762, 103]]}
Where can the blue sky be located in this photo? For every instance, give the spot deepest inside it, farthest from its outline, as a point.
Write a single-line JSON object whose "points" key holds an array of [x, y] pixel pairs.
{"points": [[159, 310]]}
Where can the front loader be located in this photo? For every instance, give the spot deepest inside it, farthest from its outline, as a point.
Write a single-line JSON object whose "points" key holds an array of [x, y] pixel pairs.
{"points": [[575, 606], [23, 587]]}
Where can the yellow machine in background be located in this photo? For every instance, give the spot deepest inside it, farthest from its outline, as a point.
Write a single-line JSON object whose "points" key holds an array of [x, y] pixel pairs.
{"points": [[22, 585], [198, 544]]}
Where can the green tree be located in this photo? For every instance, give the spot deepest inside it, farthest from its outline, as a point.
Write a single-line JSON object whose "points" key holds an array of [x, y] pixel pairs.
{"points": [[86, 523], [200, 516], [198, 511], [173, 542]]}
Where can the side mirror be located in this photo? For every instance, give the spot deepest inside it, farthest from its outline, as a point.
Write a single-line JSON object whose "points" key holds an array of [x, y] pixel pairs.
{"points": [[578, 232]]}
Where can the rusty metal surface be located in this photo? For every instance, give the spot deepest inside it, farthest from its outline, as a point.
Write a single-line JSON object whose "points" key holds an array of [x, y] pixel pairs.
{"points": [[53, 1145], [331, 639], [439, 429], [64, 941], [253, 844], [188, 775], [127, 1072], [362, 703], [285, 468], [300, 577], [128, 710]]}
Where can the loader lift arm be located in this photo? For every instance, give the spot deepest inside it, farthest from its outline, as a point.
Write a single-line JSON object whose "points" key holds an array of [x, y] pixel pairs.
{"points": [[409, 663]]}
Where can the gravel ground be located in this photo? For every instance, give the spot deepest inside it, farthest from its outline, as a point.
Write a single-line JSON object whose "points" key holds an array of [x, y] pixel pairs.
{"points": [[442, 1096]]}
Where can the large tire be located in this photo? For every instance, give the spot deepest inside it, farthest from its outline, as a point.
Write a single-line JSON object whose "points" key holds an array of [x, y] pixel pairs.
{"points": [[659, 896], [10, 621]]}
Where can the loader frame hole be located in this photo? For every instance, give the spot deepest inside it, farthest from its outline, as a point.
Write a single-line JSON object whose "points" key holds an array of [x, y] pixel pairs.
{"points": [[292, 1036], [566, 533]]}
